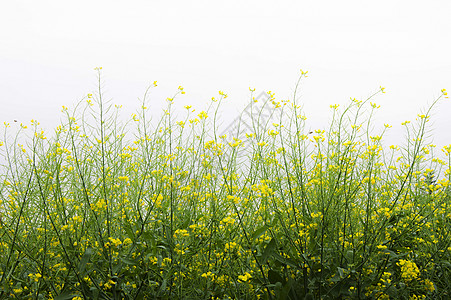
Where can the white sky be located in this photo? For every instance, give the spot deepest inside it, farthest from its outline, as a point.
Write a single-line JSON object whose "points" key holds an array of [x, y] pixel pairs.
{"points": [[48, 50]]}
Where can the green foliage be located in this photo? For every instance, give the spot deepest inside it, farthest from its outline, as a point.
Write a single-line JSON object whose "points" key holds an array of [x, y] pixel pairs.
{"points": [[175, 212]]}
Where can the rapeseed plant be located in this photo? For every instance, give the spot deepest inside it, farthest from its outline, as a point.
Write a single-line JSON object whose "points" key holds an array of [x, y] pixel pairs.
{"points": [[179, 210]]}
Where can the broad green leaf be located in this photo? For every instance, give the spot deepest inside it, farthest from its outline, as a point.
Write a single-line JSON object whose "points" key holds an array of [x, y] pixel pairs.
{"points": [[269, 250], [259, 232], [85, 259]]}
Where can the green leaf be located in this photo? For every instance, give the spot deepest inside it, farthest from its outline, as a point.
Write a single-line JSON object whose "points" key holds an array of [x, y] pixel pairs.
{"points": [[65, 296], [84, 260], [274, 277], [335, 278], [95, 292], [186, 223], [285, 261], [269, 250], [286, 291], [128, 261], [129, 231], [117, 267], [259, 232]]}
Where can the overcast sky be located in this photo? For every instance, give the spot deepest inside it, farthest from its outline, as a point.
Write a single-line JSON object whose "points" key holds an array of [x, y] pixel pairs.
{"points": [[50, 48]]}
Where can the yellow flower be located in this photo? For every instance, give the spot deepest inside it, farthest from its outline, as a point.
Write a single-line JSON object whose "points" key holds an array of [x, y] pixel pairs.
{"points": [[115, 242], [409, 269], [229, 246], [244, 277], [181, 233], [381, 247], [185, 188], [223, 94], [202, 115], [429, 285], [227, 220], [35, 277], [123, 178]]}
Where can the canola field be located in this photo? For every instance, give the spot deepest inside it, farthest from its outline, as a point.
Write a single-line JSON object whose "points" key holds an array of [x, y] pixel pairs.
{"points": [[172, 209]]}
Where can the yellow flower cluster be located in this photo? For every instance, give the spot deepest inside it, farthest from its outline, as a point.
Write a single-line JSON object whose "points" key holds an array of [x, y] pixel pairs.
{"points": [[409, 270], [181, 233], [227, 221], [244, 277], [115, 242]]}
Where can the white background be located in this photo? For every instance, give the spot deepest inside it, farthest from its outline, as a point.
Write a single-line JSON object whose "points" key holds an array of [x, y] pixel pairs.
{"points": [[350, 48]]}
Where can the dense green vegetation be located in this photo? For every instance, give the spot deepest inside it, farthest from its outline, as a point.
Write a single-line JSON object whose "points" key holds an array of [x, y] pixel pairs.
{"points": [[170, 209]]}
